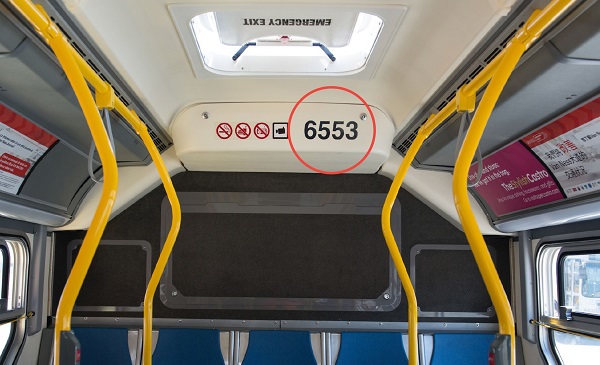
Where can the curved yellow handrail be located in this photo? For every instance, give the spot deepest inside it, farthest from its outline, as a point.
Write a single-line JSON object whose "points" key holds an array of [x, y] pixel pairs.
{"points": [[533, 28], [76, 67], [500, 68], [461, 195], [62, 50]]}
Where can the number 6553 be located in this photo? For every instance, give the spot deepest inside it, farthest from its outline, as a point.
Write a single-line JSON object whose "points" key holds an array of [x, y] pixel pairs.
{"points": [[336, 130]]}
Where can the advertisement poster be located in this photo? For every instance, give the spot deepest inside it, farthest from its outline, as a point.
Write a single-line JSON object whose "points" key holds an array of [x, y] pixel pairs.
{"points": [[513, 179], [570, 147], [22, 144]]}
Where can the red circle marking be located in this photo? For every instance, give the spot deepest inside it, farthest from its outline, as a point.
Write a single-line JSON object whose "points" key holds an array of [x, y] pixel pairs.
{"points": [[331, 87], [261, 130], [224, 130], [242, 130]]}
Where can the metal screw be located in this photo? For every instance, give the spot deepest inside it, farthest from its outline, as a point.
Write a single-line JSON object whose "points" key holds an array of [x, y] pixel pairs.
{"points": [[386, 296], [243, 322], [180, 321], [205, 115], [174, 293], [85, 318], [477, 324], [117, 319], [445, 325], [363, 117]]}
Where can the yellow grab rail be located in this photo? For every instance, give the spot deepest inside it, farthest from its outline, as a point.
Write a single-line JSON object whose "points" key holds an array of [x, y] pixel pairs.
{"points": [[413, 350], [164, 254], [76, 67], [464, 100], [532, 29], [62, 50]]}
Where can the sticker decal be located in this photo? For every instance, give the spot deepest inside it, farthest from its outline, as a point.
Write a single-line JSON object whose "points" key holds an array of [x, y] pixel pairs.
{"points": [[22, 144]]}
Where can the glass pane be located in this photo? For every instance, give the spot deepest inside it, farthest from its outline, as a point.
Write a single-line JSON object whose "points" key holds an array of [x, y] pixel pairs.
{"points": [[581, 283], [576, 350], [5, 330]]}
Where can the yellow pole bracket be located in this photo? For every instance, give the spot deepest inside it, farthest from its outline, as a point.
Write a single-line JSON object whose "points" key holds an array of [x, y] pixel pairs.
{"points": [[106, 99], [465, 102]]}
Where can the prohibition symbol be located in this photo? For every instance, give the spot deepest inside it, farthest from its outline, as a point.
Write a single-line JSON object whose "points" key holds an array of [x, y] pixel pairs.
{"points": [[242, 130], [224, 130], [261, 131]]}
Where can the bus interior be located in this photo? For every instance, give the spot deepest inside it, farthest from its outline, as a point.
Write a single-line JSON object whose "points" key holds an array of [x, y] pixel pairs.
{"points": [[300, 182]]}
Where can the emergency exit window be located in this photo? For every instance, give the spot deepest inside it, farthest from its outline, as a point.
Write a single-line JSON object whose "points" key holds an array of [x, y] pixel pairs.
{"points": [[282, 53]]}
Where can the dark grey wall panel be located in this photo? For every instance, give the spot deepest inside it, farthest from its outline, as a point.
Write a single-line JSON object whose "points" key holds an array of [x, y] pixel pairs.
{"points": [[142, 221]]}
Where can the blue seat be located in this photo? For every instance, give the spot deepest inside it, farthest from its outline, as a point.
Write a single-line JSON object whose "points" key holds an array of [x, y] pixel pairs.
{"points": [[101, 346], [461, 348], [187, 346], [279, 348], [362, 348]]}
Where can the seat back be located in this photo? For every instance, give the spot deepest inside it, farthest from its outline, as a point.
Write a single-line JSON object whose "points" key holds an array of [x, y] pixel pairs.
{"points": [[359, 348], [100, 346], [279, 347], [461, 348], [187, 346]]}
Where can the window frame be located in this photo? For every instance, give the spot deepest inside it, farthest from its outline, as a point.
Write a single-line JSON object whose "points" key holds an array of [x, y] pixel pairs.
{"points": [[582, 324], [15, 248]]}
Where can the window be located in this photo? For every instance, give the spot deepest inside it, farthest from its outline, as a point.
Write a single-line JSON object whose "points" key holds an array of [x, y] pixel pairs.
{"points": [[569, 279], [581, 283], [288, 39], [5, 332], [575, 350]]}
